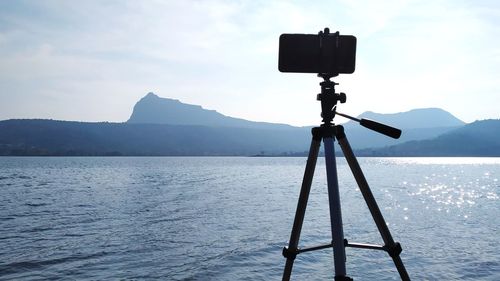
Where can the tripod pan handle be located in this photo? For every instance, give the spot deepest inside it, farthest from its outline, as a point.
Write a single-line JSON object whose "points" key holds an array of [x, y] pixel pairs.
{"points": [[381, 128]]}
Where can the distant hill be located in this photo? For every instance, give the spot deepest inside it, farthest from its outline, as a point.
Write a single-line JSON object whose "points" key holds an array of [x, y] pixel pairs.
{"points": [[417, 124], [153, 109], [481, 138], [417, 118], [49, 137]]}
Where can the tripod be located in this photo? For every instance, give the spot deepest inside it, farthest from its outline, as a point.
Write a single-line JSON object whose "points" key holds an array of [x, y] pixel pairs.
{"points": [[327, 133]]}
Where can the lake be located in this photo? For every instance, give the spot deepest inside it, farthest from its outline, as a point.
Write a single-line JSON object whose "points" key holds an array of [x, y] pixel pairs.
{"points": [[227, 218]]}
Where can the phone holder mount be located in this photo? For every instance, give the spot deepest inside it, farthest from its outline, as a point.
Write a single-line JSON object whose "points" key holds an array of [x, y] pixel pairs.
{"points": [[325, 53]]}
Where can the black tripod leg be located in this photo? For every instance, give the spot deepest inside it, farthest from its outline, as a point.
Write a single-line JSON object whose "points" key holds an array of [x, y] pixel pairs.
{"points": [[291, 252], [394, 249]]}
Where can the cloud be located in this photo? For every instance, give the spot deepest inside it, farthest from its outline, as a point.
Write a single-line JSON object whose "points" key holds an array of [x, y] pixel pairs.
{"points": [[223, 55]]}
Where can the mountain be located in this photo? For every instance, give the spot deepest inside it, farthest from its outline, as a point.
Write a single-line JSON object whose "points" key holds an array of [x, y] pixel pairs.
{"points": [[417, 124], [161, 126], [152, 109], [480, 138]]}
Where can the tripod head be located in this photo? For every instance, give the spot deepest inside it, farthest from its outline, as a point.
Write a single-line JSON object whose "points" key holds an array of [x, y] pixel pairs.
{"points": [[329, 100]]}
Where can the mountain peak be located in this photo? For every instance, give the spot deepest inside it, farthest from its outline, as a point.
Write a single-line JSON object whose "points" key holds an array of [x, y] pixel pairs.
{"points": [[151, 95]]}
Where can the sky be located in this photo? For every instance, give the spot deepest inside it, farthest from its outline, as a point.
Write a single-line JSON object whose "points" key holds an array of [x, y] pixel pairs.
{"points": [[93, 60]]}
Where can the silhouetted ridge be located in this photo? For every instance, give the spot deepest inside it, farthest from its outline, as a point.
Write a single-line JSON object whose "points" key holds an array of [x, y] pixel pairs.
{"points": [[480, 138], [417, 118], [160, 126], [152, 109], [416, 124], [51, 137]]}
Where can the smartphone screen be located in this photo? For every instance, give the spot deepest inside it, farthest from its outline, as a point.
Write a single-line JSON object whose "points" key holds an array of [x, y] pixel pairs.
{"points": [[308, 53]]}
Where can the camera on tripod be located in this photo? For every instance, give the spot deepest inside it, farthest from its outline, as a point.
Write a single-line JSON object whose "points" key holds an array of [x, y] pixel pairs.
{"points": [[329, 55], [325, 53]]}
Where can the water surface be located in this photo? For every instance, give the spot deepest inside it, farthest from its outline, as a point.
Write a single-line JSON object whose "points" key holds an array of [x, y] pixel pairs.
{"points": [[227, 218]]}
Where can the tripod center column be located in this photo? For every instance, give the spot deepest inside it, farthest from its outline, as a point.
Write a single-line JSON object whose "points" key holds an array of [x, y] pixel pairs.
{"points": [[335, 209]]}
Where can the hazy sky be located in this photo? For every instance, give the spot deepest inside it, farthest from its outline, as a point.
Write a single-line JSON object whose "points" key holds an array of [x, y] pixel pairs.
{"points": [[93, 60]]}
